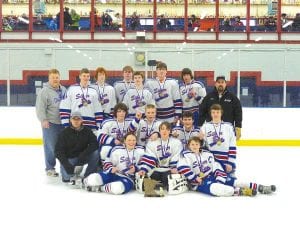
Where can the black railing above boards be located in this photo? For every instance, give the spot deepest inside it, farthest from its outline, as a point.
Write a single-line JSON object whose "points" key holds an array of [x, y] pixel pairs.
{"points": [[149, 20]]}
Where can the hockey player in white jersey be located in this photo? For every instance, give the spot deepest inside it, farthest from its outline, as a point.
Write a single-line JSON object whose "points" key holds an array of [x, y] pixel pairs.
{"points": [[187, 130], [121, 87], [166, 94], [106, 93], [138, 97], [113, 130], [192, 93], [146, 129], [161, 156], [119, 169], [204, 174], [84, 99], [219, 139]]}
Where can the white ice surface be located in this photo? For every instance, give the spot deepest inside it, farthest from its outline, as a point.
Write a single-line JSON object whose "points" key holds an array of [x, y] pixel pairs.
{"points": [[27, 196]]}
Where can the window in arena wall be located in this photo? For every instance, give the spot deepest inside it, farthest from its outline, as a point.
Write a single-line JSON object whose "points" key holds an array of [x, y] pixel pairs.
{"points": [[108, 16], [201, 15], [232, 19], [170, 16]]}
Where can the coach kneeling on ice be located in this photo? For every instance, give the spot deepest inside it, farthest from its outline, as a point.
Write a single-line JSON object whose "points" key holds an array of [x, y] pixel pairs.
{"points": [[159, 163], [76, 146]]}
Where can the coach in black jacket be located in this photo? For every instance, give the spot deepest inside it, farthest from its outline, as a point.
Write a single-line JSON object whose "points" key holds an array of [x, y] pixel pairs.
{"points": [[76, 145], [232, 109]]}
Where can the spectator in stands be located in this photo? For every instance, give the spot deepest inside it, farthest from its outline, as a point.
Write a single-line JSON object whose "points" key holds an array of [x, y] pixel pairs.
{"points": [[296, 23], [75, 20], [238, 21], [135, 21], [227, 24], [67, 19], [96, 19], [163, 23], [193, 22], [22, 22], [39, 23], [53, 24], [39, 20], [270, 24], [283, 19], [106, 21], [57, 19], [117, 22]]}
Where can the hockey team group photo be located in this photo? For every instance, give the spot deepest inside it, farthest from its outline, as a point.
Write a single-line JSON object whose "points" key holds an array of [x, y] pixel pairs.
{"points": [[157, 136]]}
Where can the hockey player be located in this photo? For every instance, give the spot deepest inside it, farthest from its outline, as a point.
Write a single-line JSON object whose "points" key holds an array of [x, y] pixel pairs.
{"points": [[146, 129], [106, 93], [138, 97], [84, 99], [204, 174], [220, 140], [119, 169], [192, 93], [187, 130], [114, 130], [47, 110], [121, 87], [161, 156], [166, 95]]}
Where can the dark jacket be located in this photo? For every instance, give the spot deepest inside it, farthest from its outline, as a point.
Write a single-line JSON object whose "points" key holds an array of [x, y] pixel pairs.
{"points": [[230, 103], [73, 143]]}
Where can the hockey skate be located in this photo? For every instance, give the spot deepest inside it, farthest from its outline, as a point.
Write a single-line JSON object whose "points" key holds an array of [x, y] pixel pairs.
{"points": [[88, 188], [245, 191], [93, 188], [266, 189], [76, 181], [153, 188]]}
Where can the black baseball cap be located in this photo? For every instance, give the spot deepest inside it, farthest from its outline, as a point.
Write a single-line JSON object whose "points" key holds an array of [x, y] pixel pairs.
{"points": [[220, 78]]}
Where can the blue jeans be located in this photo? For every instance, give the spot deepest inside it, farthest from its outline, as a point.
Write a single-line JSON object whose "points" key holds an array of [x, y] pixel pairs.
{"points": [[92, 161], [50, 136]]}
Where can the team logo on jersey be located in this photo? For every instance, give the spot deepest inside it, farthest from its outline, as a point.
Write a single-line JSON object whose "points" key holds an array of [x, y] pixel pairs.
{"points": [[126, 159], [162, 93], [80, 96], [122, 92], [144, 129]]}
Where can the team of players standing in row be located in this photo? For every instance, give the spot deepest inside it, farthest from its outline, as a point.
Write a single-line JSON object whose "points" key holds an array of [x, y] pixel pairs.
{"points": [[134, 140]]}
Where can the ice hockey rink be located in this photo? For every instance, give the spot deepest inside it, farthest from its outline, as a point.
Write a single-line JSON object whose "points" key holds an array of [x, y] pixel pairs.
{"points": [[29, 197]]}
